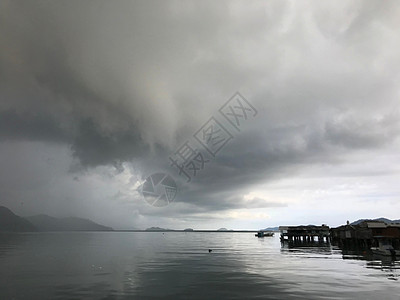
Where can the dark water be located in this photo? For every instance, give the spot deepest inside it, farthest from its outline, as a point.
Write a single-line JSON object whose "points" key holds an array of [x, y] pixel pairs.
{"points": [[178, 266]]}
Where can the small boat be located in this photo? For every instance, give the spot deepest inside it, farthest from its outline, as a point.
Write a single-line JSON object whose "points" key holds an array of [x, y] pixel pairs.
{"points": [[386, 249], [264, 233]]}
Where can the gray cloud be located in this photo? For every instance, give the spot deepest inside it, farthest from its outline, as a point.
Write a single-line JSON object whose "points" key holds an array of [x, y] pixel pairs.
{"points": [[124, 85], [31, 127]]}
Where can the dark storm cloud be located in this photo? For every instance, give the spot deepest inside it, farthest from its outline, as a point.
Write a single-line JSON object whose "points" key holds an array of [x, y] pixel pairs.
{"points": [[351, 132], [131, 81], [258, 157], [44, 96], [94, 147], [30, 127]]}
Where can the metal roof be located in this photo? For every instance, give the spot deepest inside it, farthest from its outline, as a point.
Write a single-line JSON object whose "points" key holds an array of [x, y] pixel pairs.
{"points": [[376, 225]]}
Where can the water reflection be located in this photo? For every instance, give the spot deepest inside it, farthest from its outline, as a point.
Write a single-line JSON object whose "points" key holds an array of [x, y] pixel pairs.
{"points": [[11, 242], [389, 265], [179, 266], [306, 248]]}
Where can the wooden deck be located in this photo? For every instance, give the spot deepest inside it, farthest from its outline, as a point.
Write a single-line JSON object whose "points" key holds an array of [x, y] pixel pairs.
{"points": [[307, 234]]}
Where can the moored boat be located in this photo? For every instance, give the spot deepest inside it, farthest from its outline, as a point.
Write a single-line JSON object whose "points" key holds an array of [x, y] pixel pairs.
{"points": [[264, 234], [385, 248]]}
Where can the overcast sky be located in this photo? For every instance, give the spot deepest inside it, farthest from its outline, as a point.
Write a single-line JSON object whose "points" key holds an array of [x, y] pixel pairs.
{"points": [[97, 95]]}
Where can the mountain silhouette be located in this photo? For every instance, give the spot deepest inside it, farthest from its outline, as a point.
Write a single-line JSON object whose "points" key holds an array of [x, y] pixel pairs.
{"points": [[12, 223], [48, 223], [387, 221]]}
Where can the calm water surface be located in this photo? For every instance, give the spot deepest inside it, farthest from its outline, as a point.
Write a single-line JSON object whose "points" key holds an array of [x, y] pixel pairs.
{"points": [[135, 265]]}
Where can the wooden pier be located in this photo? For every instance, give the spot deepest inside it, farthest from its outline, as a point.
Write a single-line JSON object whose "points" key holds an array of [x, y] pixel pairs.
{"points": [[305, 234]]}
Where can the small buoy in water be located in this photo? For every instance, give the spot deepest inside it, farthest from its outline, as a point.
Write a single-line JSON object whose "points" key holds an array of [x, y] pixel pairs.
{"points": [[209, 250]]}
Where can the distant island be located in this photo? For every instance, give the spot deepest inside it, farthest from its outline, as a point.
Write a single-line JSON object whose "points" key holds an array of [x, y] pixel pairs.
{"points": [[387, 221], [270, 229], [10, 222], [224, 229], [158, 229]]}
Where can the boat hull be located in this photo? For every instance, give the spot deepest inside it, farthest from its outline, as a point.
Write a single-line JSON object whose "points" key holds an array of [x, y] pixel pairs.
{"points": [[385, 252], [261, 234]]}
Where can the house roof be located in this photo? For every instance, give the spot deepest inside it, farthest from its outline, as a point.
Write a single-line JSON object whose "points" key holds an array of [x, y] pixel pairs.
{"points": [[376, 225]]}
